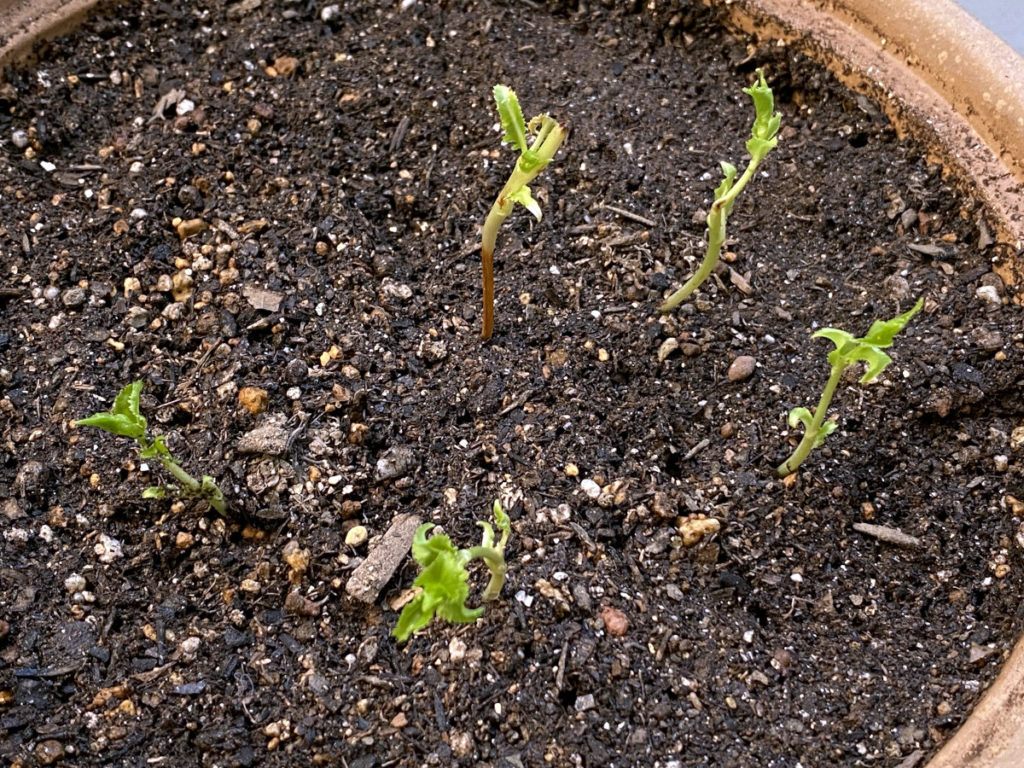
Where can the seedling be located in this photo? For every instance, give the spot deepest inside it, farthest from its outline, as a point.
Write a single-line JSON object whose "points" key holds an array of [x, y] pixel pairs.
{"points": [[547, 136], [762, 141], [444, 580], [848, 351], [124, 419]]}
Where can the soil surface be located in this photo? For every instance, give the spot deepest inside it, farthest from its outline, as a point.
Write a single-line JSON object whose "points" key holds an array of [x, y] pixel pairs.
{"points": [[268, 212]]}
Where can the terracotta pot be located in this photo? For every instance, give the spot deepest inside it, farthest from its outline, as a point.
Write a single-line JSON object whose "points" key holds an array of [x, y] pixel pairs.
{"points": [[940, 76]]}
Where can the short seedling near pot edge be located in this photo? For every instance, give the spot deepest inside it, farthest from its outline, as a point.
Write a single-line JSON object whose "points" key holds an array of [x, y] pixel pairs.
{"points": [[848, 351], [444, 580], [548, 136], [124, 419], [762, 140]]}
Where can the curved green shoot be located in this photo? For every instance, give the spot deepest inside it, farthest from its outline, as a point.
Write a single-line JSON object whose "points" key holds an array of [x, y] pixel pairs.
{"points": [[848, 351], [762, 141]]}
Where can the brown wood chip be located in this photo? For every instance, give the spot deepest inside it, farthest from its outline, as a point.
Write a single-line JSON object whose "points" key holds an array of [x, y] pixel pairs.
{"points": [[370, 576]]}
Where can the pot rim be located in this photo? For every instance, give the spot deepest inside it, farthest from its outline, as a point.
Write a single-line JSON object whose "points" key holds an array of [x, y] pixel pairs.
{"points": [[940, 75]]}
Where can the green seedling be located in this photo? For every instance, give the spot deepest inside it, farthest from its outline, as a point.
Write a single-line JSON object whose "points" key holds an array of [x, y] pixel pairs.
{"points": [[124, 419], [547, 136], [762, 141], [848, 351], [444, 580]]}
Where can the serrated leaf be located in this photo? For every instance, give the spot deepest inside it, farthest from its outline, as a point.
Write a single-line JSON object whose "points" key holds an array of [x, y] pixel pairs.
{"points": [[836, 336], [766, 120], [757, 147], [882, 332], [512, 122], [414, 616], [525, 199], [116, 424], [127, 401], [123, 418]]}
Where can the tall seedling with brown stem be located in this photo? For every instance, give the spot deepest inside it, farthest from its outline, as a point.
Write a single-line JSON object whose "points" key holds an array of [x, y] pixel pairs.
{"points": [[546, 135]]}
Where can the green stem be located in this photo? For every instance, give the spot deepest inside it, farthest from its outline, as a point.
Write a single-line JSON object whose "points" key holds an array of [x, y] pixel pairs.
{"points": [[206, 489], [810, 438], [189, 483], [494, 559], [717, 217]]}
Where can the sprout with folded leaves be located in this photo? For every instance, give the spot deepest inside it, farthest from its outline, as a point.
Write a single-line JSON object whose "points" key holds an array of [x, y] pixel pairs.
{"points": [[124, 419], [848, 351], [444, 581], [762, 141], [547, 136]]}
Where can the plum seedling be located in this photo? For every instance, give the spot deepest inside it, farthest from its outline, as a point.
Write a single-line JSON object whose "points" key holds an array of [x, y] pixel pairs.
{"points": [[547, 136], [848, 351], [124, 419], [762, 141], [444, 580]]}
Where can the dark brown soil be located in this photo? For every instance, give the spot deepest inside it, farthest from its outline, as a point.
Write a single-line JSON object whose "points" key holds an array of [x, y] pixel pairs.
{"points": [[340, 160]]}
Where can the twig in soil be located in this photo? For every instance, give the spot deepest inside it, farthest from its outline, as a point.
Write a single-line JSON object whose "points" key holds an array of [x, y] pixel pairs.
{"points": [[630, 215], [762, 141], [697, 449], [518, 402], [887, 534], [547, 136], [849, 351]]}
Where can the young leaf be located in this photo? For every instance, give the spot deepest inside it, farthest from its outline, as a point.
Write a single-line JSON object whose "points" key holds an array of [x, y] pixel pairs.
{"points": [[155, 492], [502, 521], [882, 332], [127, 402], [729, 176], [114, 423], [512, 122], [123, 418], [444, 582], [525, 199], [766, 120]]}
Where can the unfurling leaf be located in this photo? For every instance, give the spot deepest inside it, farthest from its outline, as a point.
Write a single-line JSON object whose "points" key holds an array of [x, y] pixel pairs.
{"points": [[525, 199]]}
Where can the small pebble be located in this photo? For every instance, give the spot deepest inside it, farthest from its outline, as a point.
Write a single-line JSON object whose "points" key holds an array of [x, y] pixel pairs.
{"points": [[356, 536], [693, 529], [75, 583], [585, 702], [989, 294], [615, 621], [742, 368], [297, 371], [590, 488], [108, 549], [73, 298], [20, 139], [462, 744], [48, 752], [253, 399]]}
